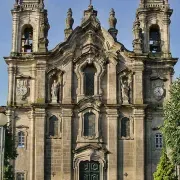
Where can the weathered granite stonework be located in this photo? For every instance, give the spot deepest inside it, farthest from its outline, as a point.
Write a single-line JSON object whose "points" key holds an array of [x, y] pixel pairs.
{"points": [[89, 102]]}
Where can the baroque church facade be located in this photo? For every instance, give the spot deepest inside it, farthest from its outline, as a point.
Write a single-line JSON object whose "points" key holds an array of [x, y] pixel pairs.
{"points": [[89, 109]]}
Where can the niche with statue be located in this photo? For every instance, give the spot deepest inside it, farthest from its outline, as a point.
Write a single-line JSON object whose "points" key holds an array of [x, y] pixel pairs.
{"points": [[55, 86]]}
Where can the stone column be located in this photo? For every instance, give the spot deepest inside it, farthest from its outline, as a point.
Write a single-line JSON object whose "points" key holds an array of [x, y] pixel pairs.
{"points": [[112, 144], [10, 84], [40, 81], [112, 83], [139, 143], [67, 144], [39, 118]]}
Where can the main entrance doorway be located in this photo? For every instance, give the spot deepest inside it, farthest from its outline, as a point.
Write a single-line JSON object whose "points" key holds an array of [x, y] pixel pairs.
{"points": [[89, 170]]}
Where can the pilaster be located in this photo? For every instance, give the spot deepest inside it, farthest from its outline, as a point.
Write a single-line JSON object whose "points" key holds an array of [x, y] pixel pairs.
{"points": [[139, 140], [112, 115], [67, 143], [39, 118], [11, 83], [112, 83], [138, 82], [40, 81], [67, 85]]}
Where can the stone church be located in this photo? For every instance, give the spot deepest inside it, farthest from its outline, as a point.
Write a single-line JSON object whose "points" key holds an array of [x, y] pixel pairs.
{"points": [[89, 109]]}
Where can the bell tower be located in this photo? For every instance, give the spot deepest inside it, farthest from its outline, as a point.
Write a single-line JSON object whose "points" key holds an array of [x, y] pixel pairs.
{"points": [[30, 27], [154, 19]]}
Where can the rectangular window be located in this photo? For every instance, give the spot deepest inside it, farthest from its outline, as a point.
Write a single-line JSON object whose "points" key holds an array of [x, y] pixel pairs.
{"points": [[20, 176]]}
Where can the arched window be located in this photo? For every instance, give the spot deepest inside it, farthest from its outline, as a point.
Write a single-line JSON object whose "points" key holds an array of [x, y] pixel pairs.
{"points": [[27, 40], [53, 126], [20, 176], [21, 139], [89, 124], [154, 39], [158, 141], [89, 73], [125, 127]]}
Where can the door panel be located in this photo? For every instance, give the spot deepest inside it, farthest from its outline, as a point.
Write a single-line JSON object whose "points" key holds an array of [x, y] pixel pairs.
{"points": [[89, 170]]}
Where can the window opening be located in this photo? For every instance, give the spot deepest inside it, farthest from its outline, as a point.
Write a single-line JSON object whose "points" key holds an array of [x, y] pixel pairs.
{"points": [[155, 39], [53, 126], [125, 127], [27, 40], [89, 73], [21, 139], [20, 176], [159, 140], [89, 124]]}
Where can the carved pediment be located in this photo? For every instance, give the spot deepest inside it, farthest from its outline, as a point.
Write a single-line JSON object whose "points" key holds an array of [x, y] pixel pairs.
{"points": [[89, 102], [91, 148]]}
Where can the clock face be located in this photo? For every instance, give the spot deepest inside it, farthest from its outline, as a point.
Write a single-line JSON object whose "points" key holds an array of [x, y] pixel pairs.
{"points": [[158, 92], [22, 90]]}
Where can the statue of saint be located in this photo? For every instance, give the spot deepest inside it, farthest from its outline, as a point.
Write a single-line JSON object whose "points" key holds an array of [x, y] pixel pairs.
{"points": [[125, 90], [55, 91]]}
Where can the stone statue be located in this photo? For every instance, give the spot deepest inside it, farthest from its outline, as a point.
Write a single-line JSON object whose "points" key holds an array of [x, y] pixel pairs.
{"points": [[112, 20], [69, 19], [55, 88], [19, 2], [125, 88]]}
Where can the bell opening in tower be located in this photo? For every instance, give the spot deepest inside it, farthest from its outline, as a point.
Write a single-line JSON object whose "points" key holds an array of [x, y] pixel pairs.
{"points": [[154, 39], [27, 40]]}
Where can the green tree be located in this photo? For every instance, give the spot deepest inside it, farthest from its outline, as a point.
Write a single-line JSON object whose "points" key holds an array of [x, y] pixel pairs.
{"points": [[165, 169], [171, 126], [9, 155]]}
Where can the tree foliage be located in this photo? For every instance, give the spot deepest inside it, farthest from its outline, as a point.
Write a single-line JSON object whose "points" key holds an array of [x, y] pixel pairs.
{"points": [[10, 154], [171, 126], [165, 169]]}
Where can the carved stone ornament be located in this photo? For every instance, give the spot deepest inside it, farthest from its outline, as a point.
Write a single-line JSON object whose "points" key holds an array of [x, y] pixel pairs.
{"points": [[112, 20], [69, 19], [22, 88]]}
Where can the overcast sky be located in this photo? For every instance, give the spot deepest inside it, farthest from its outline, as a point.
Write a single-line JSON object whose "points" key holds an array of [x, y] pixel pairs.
{"points": [[57, 10]]}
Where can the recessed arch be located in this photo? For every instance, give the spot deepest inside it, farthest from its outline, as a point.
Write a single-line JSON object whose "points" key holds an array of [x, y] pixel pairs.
{"points": [[154, 38]]}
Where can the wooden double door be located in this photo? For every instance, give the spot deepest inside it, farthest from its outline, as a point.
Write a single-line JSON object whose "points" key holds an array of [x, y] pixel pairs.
{"points": [[89, 170]]}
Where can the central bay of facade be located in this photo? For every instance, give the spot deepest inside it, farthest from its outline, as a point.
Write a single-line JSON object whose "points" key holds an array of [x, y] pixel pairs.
{"points": [[89, 109]]}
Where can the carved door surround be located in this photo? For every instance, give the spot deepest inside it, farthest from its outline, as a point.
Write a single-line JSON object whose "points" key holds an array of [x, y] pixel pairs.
{"points": [[90, 153]]}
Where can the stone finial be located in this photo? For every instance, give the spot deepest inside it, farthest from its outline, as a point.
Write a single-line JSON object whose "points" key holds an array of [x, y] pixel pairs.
{"points": [[69, 23], [69, 19], [137, 42], [112, 24], [112, 20]]}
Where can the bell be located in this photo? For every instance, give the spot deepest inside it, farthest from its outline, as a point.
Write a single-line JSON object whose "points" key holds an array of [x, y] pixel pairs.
{"points": [[27, 44]]}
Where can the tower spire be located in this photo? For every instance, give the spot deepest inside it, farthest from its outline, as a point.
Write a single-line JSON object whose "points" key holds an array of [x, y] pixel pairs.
{"points": [[90, 2]]}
